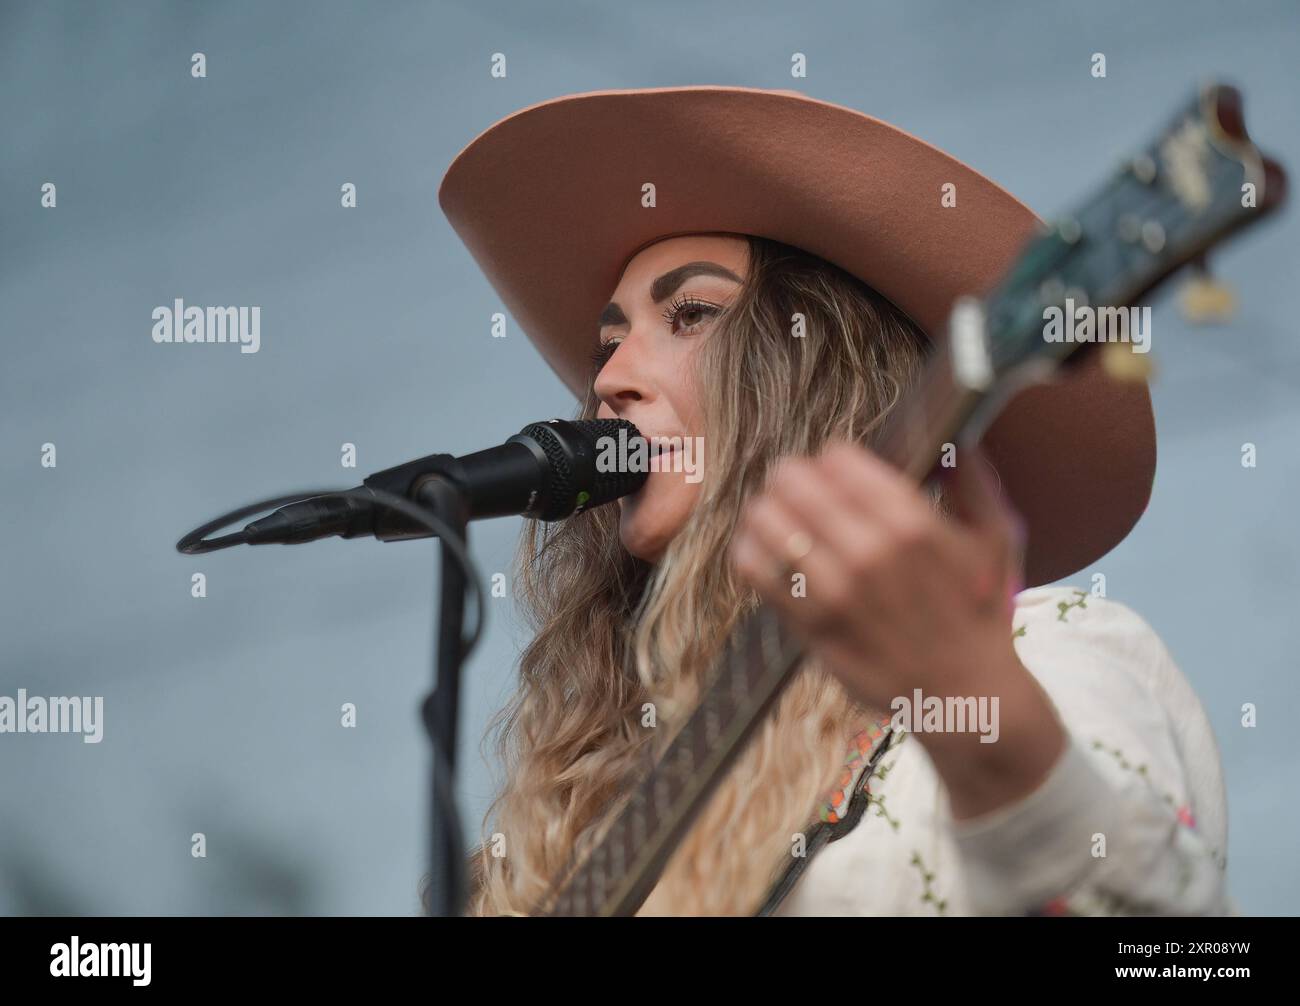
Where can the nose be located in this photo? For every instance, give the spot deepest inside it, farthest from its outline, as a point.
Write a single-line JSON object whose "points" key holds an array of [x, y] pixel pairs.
{"points": [[624, 378]]}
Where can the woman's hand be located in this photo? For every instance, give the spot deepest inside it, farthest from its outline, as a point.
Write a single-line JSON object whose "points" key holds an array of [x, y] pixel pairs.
{"points": [[893, 598]]}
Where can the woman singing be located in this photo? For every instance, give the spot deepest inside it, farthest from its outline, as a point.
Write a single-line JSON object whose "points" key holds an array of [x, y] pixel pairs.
{"points": [[763, 276]]}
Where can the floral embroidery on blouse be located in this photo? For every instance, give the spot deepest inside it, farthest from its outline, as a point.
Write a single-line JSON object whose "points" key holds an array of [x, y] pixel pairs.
{"points": [[927, 879], [1080, 601], [1095, 903], [1182, 811], [864, 765]]}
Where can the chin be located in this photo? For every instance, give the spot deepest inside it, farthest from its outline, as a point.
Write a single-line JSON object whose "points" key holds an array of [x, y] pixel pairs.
{"points": [[640, 537], [651, 518]]}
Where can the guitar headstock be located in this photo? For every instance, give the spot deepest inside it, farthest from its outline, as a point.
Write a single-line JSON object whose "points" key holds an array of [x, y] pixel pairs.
{"points": [[1199, 182]]}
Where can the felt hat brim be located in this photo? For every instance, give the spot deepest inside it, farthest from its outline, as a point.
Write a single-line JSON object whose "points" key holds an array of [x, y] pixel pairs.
{"points": [[548, 202]]}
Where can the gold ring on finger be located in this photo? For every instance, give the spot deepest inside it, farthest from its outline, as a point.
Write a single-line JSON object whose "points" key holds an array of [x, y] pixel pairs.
{"points": [[798, 545]]}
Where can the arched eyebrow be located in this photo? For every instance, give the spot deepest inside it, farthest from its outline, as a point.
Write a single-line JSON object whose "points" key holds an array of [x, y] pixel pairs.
{"points": [[666, 285]]}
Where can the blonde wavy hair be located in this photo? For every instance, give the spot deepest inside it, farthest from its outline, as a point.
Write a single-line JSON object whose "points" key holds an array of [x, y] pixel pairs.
{"points": [[612, 632]]}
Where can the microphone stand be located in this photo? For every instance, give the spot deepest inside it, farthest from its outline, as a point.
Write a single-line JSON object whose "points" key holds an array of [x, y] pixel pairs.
{"points": [[443, 511], [440, 710]]}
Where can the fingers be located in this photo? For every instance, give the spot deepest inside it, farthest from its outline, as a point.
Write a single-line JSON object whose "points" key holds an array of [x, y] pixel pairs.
{"points": [[852, 524], [875, 489], [850, 549], [774, 543], [756, 544], [841, 528]]}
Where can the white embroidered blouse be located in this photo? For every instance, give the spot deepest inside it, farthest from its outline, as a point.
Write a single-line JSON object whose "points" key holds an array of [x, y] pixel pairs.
{"points": [[1130, 821]]}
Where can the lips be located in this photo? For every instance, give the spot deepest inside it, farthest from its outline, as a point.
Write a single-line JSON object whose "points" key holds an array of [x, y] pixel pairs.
{"points": [[661, 443], [661, 455]]}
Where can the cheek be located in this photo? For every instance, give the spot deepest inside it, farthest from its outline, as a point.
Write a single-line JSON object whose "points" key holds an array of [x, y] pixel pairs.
{"points": [[684, 395]]}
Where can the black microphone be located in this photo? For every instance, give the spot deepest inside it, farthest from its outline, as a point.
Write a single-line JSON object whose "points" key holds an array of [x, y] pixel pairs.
{"points": [[547, 471]]}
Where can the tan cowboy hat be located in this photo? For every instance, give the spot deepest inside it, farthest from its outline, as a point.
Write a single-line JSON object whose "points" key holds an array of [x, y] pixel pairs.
{"points": [[548, 201]]}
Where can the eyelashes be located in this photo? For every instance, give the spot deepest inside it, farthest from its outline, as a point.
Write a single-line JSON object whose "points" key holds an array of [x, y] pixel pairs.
{"points": [[681, 305], [687, 303], [601, 356]]}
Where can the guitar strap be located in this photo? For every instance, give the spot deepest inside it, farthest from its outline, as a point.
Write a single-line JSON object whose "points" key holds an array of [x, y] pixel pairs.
{"points": [[841, 809]]}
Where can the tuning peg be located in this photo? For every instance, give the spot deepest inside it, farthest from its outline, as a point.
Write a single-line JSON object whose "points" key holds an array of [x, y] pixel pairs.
{"points": [[1122, 364], [1205, 300]]}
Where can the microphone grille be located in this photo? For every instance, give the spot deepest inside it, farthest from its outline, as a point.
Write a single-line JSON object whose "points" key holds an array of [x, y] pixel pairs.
{"points": [[611, 485], [576, 479]]}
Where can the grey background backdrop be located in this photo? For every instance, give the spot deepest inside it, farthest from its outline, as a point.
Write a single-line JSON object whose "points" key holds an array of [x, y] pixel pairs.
{"points": [[222, 714]]}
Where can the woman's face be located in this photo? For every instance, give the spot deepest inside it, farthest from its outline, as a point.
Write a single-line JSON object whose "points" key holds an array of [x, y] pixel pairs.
{"points": [[664, 306]]}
